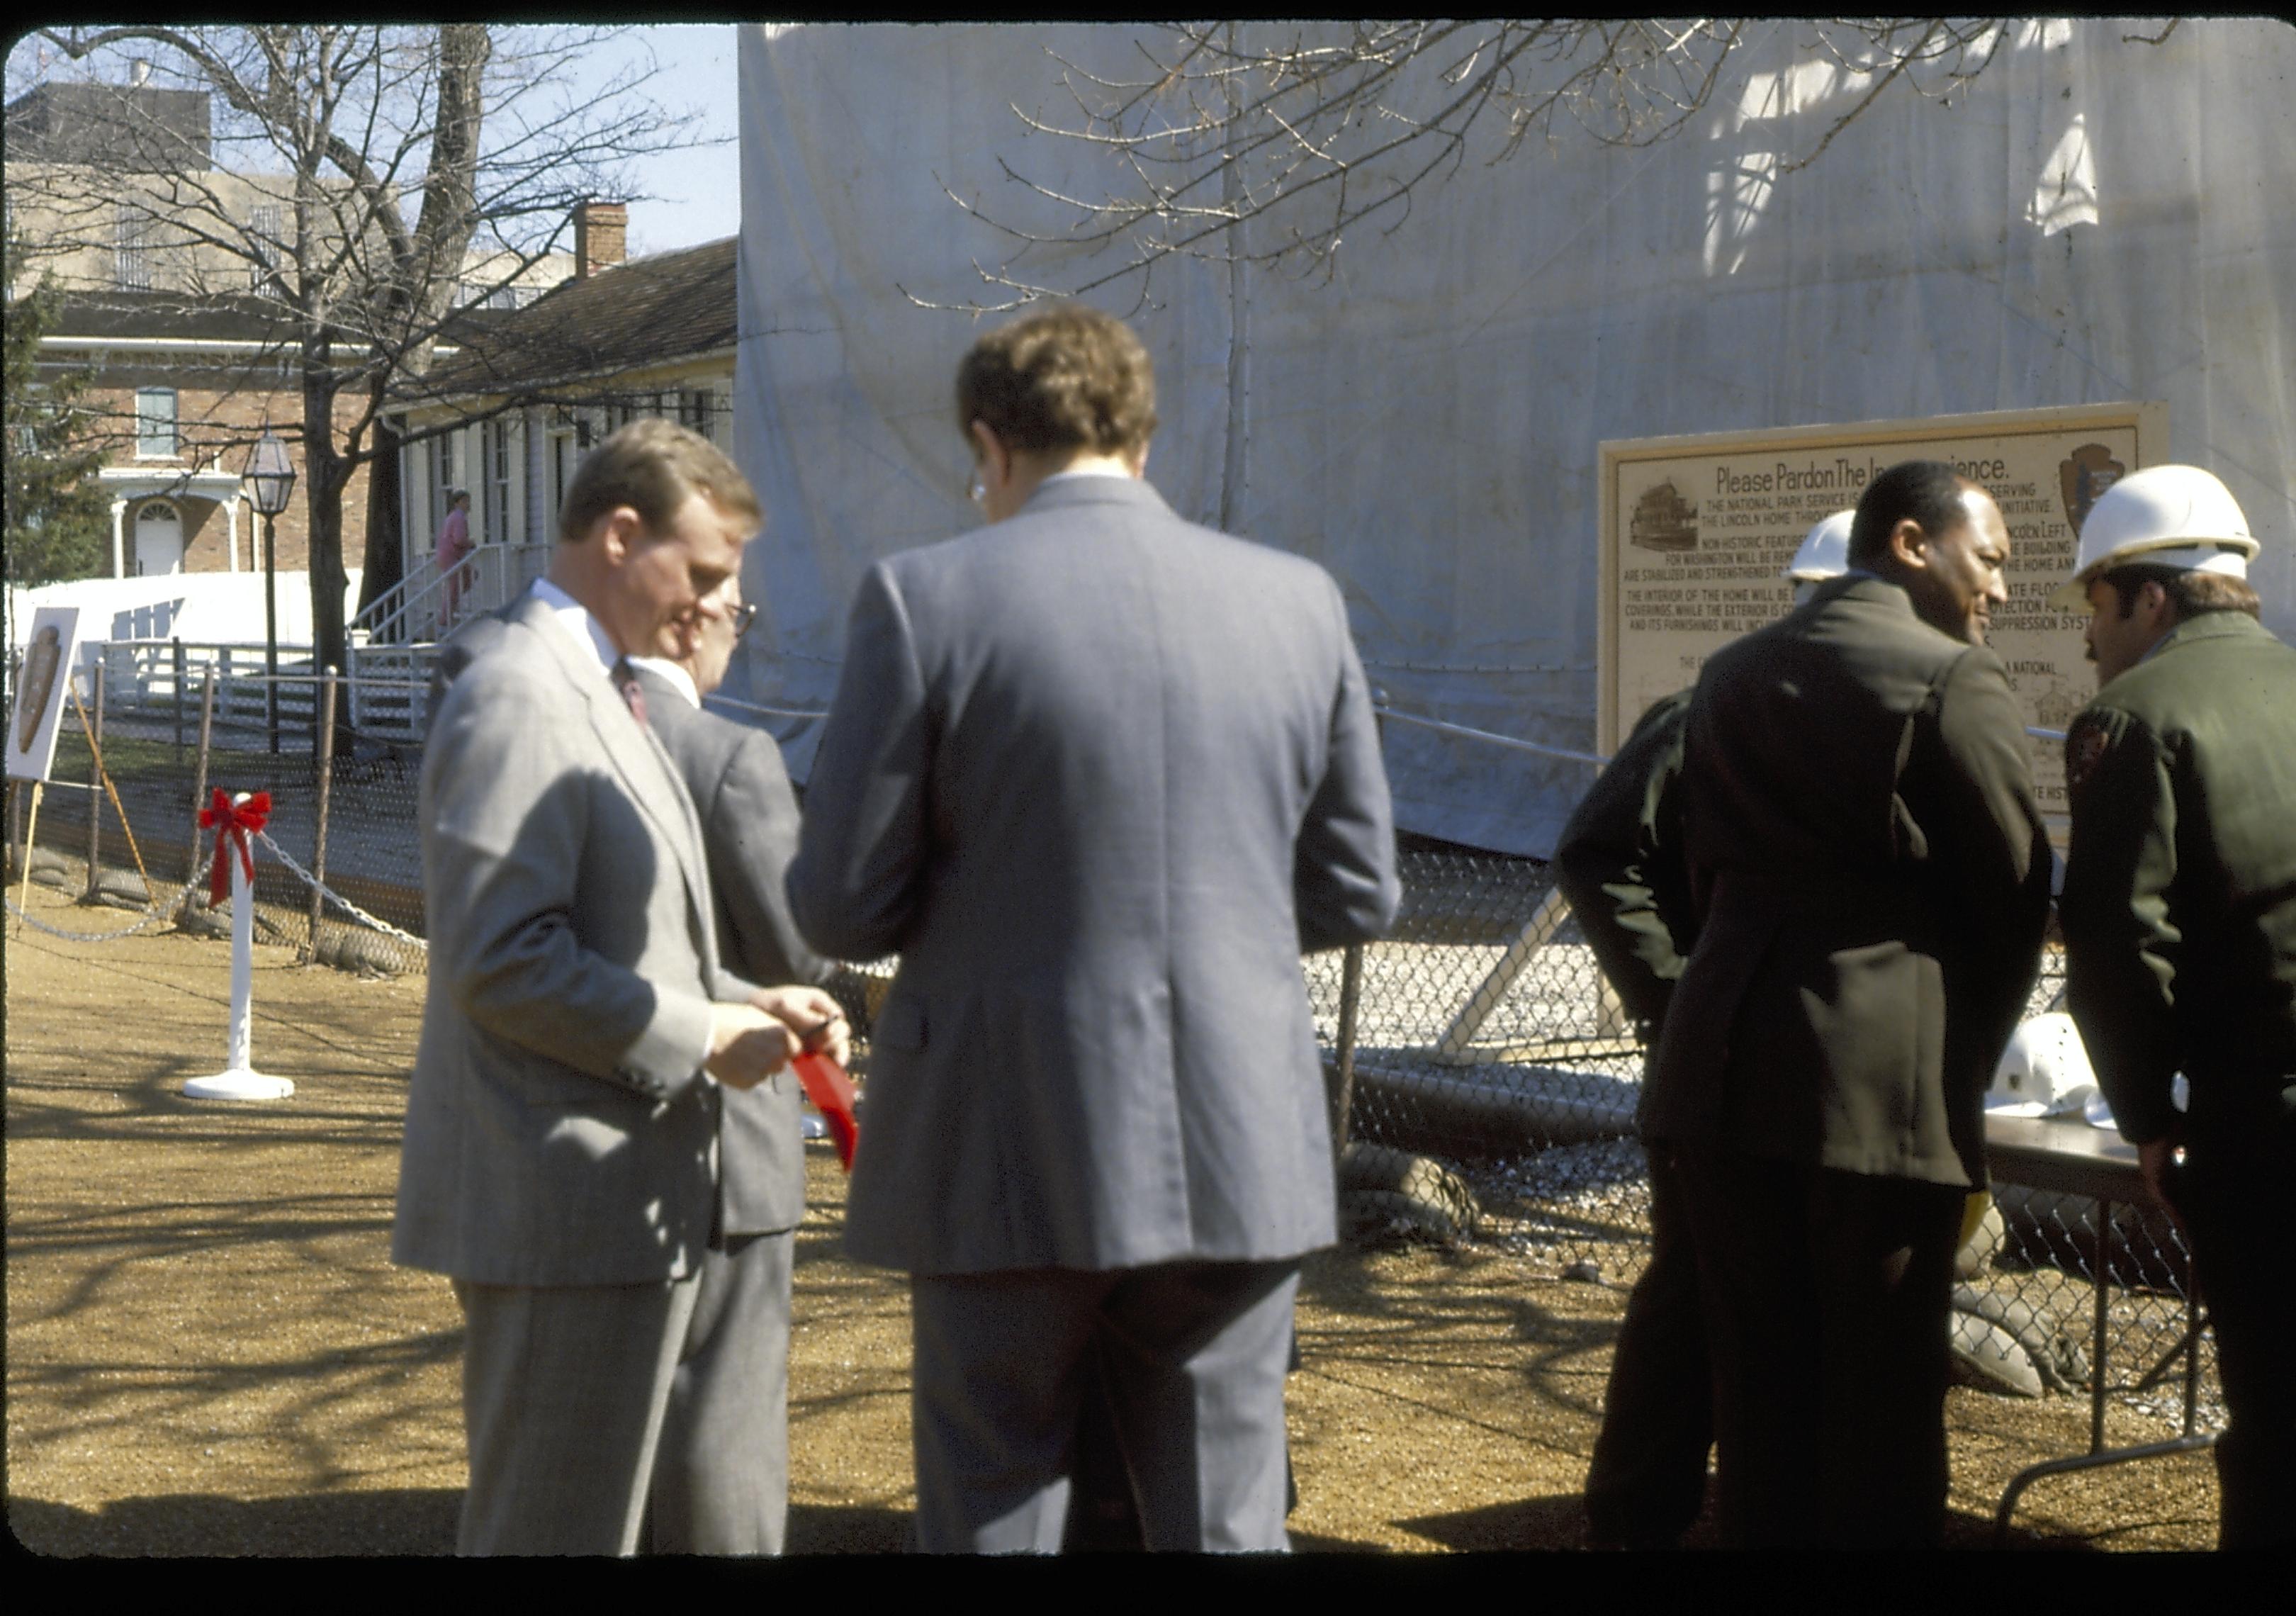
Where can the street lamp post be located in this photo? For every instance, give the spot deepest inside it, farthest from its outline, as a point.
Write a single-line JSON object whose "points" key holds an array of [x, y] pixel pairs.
{"points": [[270, 479]]}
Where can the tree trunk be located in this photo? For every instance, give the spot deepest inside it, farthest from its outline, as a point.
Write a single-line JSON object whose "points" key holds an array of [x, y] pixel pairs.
{"points": [[328, 473], [385, 538]]}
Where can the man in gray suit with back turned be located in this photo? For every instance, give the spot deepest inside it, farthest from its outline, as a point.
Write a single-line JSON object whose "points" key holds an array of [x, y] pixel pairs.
{"points": [[560, 1161], [721, 1475], [1099, 775]]}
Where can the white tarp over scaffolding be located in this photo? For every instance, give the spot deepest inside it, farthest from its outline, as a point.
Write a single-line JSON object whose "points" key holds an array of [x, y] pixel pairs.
{"points": [[2089, 221]]}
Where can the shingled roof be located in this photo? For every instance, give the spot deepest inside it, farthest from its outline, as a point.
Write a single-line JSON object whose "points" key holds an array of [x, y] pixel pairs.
{"points": [[227, 316], [240, 316], [648, 311]]}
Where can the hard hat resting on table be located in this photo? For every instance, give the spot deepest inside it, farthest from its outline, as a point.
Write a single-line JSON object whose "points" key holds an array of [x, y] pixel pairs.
{"points": [[2165, 516], [2044, 1071], [1825, 553]]}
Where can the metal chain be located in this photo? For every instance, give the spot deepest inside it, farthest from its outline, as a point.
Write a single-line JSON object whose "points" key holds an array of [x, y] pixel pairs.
{"points": [[337, 898], [167, 911], [159, 913]]}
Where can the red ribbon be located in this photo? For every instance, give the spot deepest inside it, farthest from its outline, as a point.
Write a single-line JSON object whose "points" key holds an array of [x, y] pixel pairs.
{"points": [[832, 1094], [232, 822]]}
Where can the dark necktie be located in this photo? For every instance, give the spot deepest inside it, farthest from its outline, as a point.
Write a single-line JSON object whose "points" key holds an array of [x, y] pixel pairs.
{"points": [[625, 680]]}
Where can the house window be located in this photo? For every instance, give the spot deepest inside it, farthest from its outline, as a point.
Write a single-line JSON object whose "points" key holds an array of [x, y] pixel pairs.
{"points": [[132, 250], [266, 225], [498, 479], [697, 408], [562, 457], [443, 459], [155, 423]]}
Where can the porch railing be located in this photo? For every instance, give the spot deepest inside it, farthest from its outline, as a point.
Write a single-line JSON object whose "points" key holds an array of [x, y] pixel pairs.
{"points": [[430, 603]]}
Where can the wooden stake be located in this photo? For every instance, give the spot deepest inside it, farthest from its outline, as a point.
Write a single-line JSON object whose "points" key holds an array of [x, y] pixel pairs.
{"points": [[94, 774], [31, 835], [95, 751], [326, 750], [199, 780]]}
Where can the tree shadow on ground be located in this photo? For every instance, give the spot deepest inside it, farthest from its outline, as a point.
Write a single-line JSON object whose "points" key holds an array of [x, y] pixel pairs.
{"points": [[408, 1521], [404, 1521], [1560, 1522], [847, 1528]]}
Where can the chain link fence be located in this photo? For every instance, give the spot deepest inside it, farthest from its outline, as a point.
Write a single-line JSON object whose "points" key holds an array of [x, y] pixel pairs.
{"points": [[338, 866], [1480, 1032], [1484, 1036]]}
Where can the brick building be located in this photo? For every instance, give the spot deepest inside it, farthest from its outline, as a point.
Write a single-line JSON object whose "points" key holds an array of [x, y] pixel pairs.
{"points": [[169, 271], [182, 393]]}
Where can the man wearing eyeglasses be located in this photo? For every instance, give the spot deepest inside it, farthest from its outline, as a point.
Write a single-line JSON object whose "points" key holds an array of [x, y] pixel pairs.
{"points": [[721, 1470], [560, 1162]]}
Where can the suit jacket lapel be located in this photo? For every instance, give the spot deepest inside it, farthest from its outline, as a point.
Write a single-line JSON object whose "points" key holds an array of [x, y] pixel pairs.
{"points": [[637, 755]]}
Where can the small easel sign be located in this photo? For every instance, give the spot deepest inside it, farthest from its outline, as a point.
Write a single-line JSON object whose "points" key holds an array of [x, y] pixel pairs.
{"points": [[39, 712]]}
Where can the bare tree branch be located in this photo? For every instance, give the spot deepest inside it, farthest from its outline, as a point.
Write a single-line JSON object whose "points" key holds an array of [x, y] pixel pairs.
{"points": [[366, 180], [1265, 143]]}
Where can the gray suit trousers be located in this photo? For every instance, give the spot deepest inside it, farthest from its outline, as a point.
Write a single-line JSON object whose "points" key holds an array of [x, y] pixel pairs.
{"points": [[1192, 1354], [563, 1389], [721, 1470]]}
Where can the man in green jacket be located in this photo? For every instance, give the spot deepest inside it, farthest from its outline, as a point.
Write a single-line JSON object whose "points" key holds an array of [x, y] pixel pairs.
{"points": [[2179, 916], [1870, 879]]}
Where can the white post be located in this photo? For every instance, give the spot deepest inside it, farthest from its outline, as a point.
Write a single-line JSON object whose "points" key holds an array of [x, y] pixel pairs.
{"points": [[231, 518], [238, 1052], [118, 548], [240, 1081]]}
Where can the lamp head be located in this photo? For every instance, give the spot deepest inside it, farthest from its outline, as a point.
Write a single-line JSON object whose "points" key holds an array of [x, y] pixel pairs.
{"points": [[270, 475]]}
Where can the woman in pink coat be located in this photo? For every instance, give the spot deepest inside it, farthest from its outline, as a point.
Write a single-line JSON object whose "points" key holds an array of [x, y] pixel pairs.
{"points": [[454, 545]]}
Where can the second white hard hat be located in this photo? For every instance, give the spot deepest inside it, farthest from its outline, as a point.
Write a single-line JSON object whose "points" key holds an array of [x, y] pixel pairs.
{"points": [[2166, 515], [2044, 1070], [1824, 552]]}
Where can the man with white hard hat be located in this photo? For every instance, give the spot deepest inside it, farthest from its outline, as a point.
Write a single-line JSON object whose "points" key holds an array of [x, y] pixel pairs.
{"points": [[1825, 553], [1619, 863], [2179, 916]]}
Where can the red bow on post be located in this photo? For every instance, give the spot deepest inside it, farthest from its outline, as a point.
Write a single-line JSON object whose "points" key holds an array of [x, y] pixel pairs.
{"points": [[232, 822], [832, 1094]]}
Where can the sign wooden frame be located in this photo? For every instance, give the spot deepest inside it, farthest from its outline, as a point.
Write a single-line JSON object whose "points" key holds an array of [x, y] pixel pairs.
{"points": [[1696, 531]]}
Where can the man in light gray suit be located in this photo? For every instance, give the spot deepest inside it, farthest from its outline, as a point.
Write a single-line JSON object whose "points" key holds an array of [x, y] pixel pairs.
{"points": [[1099, 775], [560, 1154], [721, 1473]]}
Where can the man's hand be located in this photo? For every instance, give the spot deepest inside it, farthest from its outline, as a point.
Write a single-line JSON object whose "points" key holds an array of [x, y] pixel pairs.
{"points": [[2157, 1162], [747, 1045], [812, 1016]]}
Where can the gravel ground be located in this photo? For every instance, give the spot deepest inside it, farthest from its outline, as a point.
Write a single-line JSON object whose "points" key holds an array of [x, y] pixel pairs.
{"points": [[209, 1353]]}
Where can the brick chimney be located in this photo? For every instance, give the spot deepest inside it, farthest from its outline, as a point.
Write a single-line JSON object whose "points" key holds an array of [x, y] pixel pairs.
{"points": [[600, 231]]}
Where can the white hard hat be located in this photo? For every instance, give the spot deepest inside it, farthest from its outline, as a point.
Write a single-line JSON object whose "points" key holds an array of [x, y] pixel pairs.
{"points": [[2168, 516], [1825, 553], [2044, 1070]]}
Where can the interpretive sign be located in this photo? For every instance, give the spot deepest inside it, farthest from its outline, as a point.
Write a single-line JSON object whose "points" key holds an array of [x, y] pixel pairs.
{"points": [[1696, 531], [41, 694]]}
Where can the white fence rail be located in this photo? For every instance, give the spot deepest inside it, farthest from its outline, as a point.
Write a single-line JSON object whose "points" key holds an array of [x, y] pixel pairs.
{"points": [[385, 684]]}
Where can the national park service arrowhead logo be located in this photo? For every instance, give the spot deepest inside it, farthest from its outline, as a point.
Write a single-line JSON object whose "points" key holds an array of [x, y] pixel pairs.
{"points": [[2085, 749], [2091, 470], [1663, 520]]}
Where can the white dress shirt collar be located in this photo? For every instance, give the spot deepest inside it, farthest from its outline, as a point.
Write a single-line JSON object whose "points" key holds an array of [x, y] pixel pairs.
{"points": [[677, 677], [575, 617], [1090, 470]]}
